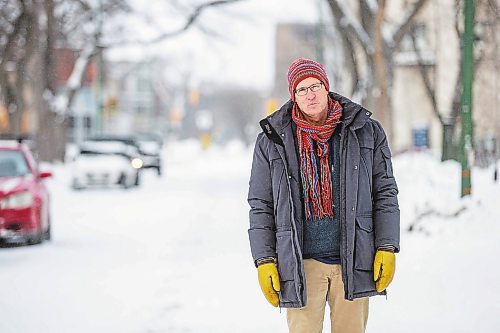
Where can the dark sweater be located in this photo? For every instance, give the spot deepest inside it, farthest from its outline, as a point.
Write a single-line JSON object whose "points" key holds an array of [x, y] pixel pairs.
{"points": [[322, 237]]}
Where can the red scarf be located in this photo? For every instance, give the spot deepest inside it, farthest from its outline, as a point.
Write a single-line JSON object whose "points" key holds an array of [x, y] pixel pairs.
{"points": [[317, 190]]}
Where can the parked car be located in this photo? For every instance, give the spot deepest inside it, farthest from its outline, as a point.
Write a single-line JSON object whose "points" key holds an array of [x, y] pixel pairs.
{"points": [[106, 163], [150, 146], [132, 147], [24, 198]]}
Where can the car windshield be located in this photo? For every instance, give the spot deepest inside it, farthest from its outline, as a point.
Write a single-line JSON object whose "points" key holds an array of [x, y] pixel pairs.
{"points": [[13, 164]]}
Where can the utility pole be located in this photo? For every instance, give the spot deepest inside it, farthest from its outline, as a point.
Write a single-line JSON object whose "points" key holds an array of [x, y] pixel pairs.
{"points": [[467, 78], [496, 136]]}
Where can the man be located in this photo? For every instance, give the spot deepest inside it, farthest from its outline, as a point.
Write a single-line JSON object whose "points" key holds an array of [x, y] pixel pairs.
{"points": [[324, 217]]}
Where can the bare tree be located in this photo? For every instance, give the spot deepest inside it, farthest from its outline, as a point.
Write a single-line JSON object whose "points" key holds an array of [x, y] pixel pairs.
{"points": [[34, 30], [369, 29], [27, 69], [76, 19]]}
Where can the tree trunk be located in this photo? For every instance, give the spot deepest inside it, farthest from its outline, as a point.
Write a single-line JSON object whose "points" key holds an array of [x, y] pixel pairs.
{"points": [[52, 127], [14, 109], [380, 91], [10, 77], [51, 136]]}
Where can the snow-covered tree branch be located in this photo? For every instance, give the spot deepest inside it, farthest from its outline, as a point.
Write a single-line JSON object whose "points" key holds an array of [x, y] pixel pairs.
{"points": [[34, 31], [61, 103], [350, 22]]}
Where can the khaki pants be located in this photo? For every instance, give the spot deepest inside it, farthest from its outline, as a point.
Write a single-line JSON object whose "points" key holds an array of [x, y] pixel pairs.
{"points": [[324, 283]]}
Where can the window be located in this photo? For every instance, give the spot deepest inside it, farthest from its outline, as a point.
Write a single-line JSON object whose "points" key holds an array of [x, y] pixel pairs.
{"points": [[419, 30]]}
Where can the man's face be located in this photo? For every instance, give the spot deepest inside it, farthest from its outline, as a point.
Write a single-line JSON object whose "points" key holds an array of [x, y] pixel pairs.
{"points": [[314, 104]]}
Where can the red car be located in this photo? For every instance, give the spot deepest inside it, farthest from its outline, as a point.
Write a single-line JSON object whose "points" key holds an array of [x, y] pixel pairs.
{"points": [[24, 199]]}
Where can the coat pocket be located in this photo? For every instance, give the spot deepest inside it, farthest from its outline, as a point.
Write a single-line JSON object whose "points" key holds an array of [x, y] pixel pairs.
{"points": [[364, 244], [366, 146], [387, 159], [284, 250], [278, 171]]}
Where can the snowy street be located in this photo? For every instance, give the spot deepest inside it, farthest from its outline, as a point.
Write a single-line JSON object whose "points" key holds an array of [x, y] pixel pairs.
{"points": [[173, 254]]}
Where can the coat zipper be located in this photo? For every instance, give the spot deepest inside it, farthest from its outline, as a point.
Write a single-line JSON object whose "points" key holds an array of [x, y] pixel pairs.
{"points": [[342, 209], [294, 224]]}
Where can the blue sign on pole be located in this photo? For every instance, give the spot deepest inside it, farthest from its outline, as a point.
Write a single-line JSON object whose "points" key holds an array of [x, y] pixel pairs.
{"points": [[421, 138]]}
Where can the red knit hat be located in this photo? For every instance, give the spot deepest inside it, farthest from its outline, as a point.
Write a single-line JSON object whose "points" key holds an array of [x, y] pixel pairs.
{"points": [[301, 69]]}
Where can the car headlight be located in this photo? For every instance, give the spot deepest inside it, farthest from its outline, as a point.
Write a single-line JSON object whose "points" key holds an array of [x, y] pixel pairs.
{"points": [[137, 163], [17, 201]]}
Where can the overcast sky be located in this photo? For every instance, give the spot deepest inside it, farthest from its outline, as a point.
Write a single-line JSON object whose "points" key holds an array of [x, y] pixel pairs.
{"points": [[244, 52]]}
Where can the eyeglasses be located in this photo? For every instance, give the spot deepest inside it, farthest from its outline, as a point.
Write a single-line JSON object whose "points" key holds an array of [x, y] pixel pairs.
{"points": [[303, 91]]}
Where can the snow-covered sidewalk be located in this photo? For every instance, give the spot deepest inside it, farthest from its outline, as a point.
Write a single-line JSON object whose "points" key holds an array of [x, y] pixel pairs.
{"points": [[173, 255]]}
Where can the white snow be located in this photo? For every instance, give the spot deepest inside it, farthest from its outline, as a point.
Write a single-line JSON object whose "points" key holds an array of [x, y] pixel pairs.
{"points": [[373, 5], [173, 255], [150, 147]]}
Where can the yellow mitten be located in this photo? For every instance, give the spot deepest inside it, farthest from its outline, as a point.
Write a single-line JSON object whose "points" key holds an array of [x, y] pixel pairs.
{"points": [[384, 266], [269, 282]]}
